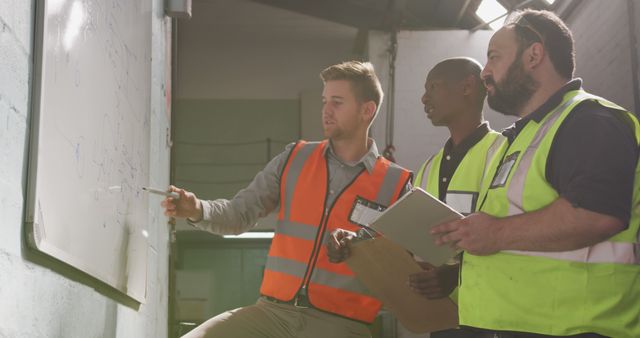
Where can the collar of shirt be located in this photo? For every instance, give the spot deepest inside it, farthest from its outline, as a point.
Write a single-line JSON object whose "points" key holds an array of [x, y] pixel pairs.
{"points": [[453, 155], [542, 111], [368, 160], [461, 149]]}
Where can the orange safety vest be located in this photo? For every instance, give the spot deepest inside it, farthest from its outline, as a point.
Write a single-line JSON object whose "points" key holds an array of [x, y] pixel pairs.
{"points": [[298, 256]]}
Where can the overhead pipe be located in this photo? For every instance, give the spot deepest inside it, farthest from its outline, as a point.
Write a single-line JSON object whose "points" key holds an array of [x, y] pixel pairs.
{"points": [[389, 130]]}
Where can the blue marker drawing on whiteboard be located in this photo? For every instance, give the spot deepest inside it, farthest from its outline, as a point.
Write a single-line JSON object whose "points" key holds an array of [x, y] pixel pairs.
{"points": [[161, 192]]}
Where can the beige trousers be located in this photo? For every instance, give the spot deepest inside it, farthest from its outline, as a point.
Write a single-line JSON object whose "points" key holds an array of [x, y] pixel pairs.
{"points": [[272, 320]]}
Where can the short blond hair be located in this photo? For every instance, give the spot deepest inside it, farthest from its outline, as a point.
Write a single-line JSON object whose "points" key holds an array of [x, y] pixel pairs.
{"points": [[362, 77]]}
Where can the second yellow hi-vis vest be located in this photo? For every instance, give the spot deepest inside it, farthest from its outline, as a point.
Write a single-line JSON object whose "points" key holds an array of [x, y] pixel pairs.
{"points": [[464, 187], [593, 289]]}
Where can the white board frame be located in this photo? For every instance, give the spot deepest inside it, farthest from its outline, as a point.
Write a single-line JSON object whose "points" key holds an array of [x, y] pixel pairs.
{"points": [[121, 263]]}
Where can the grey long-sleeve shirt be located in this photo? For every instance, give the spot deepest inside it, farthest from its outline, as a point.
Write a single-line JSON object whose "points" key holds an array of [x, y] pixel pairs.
{"points": [[262, 196]]}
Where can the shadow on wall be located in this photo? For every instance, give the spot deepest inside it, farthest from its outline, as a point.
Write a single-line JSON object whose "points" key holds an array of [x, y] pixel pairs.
{"points": [[75, 275]]}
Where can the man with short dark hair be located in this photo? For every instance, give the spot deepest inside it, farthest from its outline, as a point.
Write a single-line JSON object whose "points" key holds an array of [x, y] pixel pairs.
{"points": [[551, 250], [315, 186], [454, 97]]}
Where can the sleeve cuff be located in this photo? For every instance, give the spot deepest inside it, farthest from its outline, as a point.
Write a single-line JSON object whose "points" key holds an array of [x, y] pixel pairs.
{"points": [[206, 215], [599, 206]]}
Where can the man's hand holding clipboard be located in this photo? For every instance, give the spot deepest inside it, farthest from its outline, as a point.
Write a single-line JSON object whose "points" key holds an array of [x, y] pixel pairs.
{"points": [[383, 263]]}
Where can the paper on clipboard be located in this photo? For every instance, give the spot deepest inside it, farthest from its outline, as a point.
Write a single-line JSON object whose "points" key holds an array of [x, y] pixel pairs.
{"points": [[408, 223], [384, 268]]}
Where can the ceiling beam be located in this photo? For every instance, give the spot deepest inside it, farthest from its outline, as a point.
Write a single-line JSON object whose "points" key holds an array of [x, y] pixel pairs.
{"points": [[339, 11], [461, 13]]}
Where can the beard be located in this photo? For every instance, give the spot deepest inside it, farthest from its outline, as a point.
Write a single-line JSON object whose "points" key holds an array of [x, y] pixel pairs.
{"points": [[512, 93], [335, 132]]}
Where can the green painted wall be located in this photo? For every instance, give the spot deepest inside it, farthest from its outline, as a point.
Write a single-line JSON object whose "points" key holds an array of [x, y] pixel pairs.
{"points": [[221, 144], [233, 269]]}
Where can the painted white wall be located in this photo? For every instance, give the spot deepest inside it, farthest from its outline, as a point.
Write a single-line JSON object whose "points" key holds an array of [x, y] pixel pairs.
{"points": [[415, 138], [36, 300]]}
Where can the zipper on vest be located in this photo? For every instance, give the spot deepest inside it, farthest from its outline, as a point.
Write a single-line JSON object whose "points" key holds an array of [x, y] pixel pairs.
{"points": [[316, 253], [302, 290], [321, 231]]}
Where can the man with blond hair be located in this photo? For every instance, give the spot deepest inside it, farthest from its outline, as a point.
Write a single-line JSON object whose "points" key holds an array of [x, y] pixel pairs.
{"points": [[316, 186]]}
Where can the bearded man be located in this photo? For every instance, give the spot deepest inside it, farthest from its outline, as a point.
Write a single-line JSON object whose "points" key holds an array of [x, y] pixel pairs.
{"points": [[552, 249]]}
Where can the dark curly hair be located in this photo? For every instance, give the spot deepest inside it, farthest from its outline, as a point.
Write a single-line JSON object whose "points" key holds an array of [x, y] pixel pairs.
{"points": [[543, 26]]}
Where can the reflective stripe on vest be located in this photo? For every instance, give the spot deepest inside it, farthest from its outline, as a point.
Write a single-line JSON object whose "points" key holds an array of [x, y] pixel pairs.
{"points": [[422, 177], [428, 177], [389, 188], [301, 156], [297, 256], [320, 276], [603, 252]]}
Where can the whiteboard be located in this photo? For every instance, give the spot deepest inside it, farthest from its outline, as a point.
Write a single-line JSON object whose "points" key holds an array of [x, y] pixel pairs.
{"points": [[89, 138]]}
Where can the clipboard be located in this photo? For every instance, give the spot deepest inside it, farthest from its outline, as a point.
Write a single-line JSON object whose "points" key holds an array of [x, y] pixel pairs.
{"points": [[408, 223], [384, 268]]}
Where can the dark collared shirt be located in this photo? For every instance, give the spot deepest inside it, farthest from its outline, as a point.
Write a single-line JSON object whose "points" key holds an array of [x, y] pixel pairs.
{"points": [[453, 155], [593, 156]]}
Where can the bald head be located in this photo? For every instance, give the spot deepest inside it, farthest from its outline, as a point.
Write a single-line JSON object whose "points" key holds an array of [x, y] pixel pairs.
{"points": [[457, 69], [454, 93]]}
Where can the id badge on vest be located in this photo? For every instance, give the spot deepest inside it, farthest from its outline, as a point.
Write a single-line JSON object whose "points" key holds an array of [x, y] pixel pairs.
{"points": [[463, 202], [500, 180], [365, 212]]}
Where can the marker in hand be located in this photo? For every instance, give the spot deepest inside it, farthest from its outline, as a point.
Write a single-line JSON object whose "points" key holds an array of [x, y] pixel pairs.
{"points": [[175, 195]]}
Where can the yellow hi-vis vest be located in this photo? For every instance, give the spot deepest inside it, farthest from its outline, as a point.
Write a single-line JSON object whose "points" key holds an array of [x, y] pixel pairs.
{"points": [[464, 187], [593, 289]]}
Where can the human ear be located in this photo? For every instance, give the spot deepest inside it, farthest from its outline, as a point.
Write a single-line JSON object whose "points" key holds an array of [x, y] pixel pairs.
{"points": [[534, 55], [467, 85], [369, 110]]}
